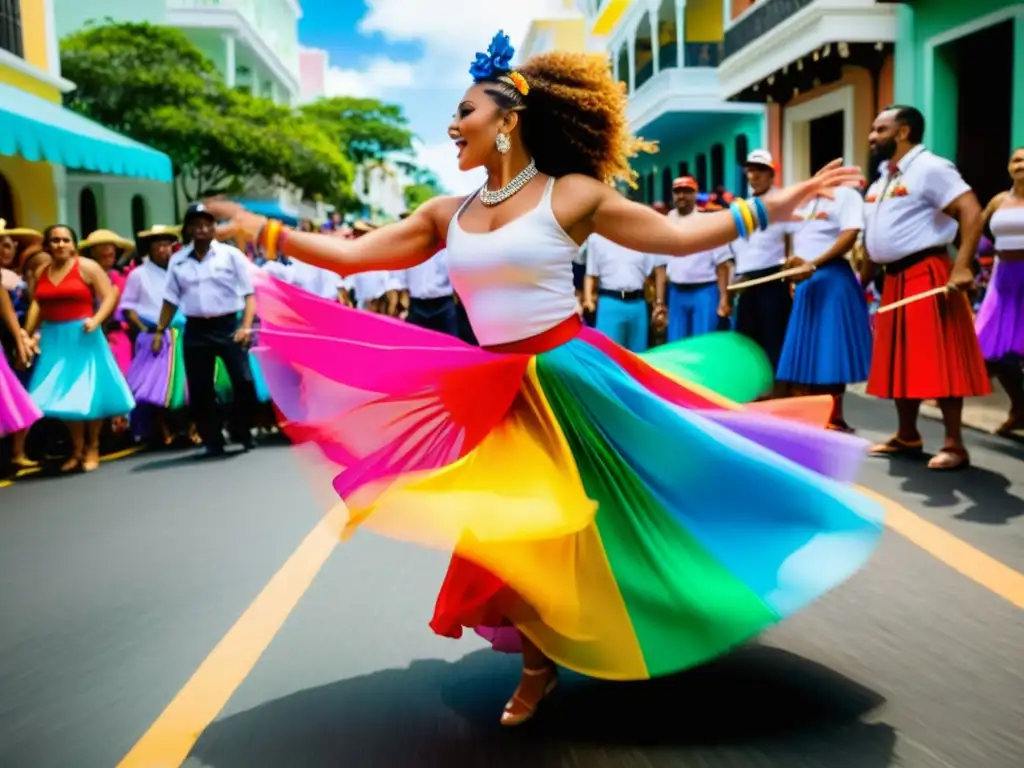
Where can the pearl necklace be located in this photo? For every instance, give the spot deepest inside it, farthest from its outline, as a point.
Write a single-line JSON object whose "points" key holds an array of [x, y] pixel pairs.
{"points": [[487, 197]]}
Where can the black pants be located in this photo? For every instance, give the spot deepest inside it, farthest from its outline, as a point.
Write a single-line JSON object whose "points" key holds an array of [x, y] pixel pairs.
{"points": [[763, 314], [465, 329], [435, 314], [206, 339]]}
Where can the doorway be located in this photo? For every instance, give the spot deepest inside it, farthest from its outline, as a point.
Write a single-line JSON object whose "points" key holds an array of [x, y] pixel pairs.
{"points": [[826, 139], [7, 204], [983, 112]]}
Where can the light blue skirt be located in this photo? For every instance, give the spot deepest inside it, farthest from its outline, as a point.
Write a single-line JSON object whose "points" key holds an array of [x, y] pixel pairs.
{"points": [[828, 340], [75, 377]]}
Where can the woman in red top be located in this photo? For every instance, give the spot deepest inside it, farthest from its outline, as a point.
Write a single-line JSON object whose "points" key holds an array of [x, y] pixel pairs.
{"points": [[76, 378]]}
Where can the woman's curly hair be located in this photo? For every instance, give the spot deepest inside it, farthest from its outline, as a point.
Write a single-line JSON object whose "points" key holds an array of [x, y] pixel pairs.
{"points": [[574, 116]]}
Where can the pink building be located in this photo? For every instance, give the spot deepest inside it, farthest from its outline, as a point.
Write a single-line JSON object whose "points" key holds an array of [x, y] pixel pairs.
{"points": [[312, 73]]}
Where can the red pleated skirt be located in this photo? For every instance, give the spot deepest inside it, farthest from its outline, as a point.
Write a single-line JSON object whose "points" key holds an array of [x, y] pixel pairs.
{"points": [[926, 350]]}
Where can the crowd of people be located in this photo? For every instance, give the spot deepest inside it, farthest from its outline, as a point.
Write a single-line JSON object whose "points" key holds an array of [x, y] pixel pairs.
{"points": [[129, 383]]}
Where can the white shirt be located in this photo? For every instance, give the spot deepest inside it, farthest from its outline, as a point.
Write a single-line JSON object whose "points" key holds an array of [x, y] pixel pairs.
{"points": [[319, 282], [824, 220], [212, 286], [144, 292], [766, 248], [698, 267], [903, 211], [617, 268], [428, 280], [369, 286]]}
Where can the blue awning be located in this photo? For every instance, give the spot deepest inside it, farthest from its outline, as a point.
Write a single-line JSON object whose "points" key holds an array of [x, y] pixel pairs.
{"points": [[271, 209], [38, 129]]}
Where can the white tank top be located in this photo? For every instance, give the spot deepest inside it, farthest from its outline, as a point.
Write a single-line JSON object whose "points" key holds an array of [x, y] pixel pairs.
{"points": [[516, 281], [1007, 224]]}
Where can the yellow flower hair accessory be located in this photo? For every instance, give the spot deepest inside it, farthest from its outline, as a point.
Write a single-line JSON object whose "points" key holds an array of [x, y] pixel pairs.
{"points": [[517, 81]]}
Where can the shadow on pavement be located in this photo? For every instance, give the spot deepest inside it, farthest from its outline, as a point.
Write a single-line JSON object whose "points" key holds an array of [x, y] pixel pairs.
{"points": [[193, 456], [758, 706], [989, 497]]}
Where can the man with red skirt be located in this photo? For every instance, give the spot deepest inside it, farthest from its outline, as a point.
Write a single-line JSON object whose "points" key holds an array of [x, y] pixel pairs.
{"points": [[926, 350]]}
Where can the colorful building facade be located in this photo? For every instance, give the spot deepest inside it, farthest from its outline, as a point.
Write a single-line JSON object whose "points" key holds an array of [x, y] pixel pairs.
{"points": [[42, 144], [667, 53]]}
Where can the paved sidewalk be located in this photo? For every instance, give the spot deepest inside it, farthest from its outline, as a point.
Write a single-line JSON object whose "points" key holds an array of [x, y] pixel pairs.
{"points": [[981, 413]]}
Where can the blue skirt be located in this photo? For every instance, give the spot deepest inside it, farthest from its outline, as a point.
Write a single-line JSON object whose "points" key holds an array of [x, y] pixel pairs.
{"points": [[75, 377], [828, 340]]}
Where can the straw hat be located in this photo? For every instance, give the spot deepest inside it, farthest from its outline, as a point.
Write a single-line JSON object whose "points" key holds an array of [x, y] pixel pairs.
{"points": [[363, 226], [106, 237], [159, 232], [21, 234]]}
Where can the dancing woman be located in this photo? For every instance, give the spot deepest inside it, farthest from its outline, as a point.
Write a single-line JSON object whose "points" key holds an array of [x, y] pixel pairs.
{"points": [[75, 378], [1000, 320], [604, 516]]}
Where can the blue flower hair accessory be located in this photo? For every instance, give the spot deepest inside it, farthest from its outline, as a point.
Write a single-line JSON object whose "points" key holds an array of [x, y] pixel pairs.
{"points": [[497, 60]]}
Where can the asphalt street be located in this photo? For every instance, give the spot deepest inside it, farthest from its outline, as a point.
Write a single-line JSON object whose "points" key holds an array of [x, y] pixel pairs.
{"points": [[115, 586]]}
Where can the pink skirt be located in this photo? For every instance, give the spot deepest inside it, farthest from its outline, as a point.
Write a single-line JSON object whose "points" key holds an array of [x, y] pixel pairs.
{"points": [[17, 411]]}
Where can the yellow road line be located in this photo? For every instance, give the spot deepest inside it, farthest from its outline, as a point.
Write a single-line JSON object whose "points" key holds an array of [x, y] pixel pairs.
{"points": [[171, 737], [980, 568], [109, 457]]}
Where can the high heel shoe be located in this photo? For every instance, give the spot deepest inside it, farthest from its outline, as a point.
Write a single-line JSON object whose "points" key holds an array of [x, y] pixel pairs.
{"points": [[518, 711]]}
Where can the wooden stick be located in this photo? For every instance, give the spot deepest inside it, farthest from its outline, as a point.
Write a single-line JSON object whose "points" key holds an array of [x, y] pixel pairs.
{"points": [[792, 272], [941, 290]]}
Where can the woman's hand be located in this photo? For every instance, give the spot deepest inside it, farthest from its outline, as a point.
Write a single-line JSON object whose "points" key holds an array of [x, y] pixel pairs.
{"points": [[239, 222], [91, 324], [782, 203], [158, 343]]}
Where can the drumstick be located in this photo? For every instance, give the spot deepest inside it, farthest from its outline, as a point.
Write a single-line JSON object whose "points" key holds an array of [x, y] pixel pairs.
{"points": [[803, 269], [942, 289]]}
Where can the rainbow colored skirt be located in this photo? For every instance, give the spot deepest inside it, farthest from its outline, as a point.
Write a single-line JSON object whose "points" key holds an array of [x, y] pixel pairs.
{"points": [[614, 509]]}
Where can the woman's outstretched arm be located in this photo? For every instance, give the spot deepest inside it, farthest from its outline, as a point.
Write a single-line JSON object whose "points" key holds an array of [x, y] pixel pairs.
{"points": [[640, 228], [396, 246]]}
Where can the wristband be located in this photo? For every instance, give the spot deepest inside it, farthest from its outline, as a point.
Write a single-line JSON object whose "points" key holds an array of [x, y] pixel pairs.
{"points": [[737, 217], [748, 215], [761, 211]]}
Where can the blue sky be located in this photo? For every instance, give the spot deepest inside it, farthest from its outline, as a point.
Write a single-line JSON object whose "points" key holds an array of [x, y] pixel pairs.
{"points": [[415, 53]]}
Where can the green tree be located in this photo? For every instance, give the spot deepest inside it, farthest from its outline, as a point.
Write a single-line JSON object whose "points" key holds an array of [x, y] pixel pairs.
{"points": [[368, 130], [417, 194], [151, 83]]}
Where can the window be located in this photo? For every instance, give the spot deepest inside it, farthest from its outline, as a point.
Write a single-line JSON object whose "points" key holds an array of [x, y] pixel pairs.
{"points": [[717, 167], [10, 27], [742, 150], [684, 168], [702, 172], [7, 204], [140, 220], [666, 186], [88, 214]]}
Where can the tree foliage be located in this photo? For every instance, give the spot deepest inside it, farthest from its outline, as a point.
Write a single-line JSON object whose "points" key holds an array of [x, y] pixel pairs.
{"points": [[152, 84], [417, 194], [368, 130]]}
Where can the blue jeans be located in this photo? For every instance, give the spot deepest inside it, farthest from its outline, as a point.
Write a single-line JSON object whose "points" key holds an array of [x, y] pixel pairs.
{"points": [[692, 310], [624, 321]]}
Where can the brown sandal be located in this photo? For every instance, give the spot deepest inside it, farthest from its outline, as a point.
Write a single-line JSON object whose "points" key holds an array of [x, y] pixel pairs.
{"points": [[840, 426], [894, 446], [517, 711], [949, 458]]}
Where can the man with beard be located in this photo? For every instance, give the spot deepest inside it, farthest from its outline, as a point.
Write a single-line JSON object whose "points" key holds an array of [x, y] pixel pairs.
{"points": [[926, 350], [212, 284], [763, 310]]}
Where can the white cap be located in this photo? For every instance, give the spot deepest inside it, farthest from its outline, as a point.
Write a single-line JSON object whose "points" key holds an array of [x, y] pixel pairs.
{"points": [[761, 157]]}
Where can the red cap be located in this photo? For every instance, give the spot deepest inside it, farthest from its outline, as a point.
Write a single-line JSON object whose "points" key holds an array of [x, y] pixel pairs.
{"points": [[685, 182]]}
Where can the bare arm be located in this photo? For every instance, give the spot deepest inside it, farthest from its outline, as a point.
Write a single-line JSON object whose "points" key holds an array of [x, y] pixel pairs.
{"points": [[723, 273], [590, 286], [396, 246], [967, 211], [840, 247], [96, 278]]}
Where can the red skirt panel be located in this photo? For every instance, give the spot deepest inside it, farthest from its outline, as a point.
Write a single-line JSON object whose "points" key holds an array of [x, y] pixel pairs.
{"points": [[926, 350]]}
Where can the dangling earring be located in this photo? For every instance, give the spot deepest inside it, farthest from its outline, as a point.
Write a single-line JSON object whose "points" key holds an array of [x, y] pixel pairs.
{"points": [[502, 142]]}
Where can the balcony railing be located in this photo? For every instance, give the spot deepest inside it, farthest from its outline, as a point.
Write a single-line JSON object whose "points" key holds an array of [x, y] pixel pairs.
{"points": [[696, 54], [760, 20]]}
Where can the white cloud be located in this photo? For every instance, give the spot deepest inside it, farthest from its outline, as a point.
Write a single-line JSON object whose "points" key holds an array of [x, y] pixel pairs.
{"points": [[452, 31], [442, 159], [382, 74]]}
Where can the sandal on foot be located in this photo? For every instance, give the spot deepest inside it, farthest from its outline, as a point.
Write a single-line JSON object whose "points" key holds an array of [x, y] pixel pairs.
{"points": [[517, 711], [894, 446], [840, 426], [74, 464], [1013, 424], [949, 458], [92, 462]]}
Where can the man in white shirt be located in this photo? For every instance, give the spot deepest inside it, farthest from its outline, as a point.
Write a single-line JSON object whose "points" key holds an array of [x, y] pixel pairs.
{"points": [[375, 291], [698, 296], [430, 295], [763, 310], [212, 284], [927, 349], [617, 275]]}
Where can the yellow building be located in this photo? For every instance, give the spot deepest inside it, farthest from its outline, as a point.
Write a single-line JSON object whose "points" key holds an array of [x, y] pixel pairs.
{"points": [[55, 165], [565, 30]]}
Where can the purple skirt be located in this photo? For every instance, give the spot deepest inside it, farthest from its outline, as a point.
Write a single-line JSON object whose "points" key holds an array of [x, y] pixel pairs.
{"points": [[158, 379], [17, 410], [1000, 320]]}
